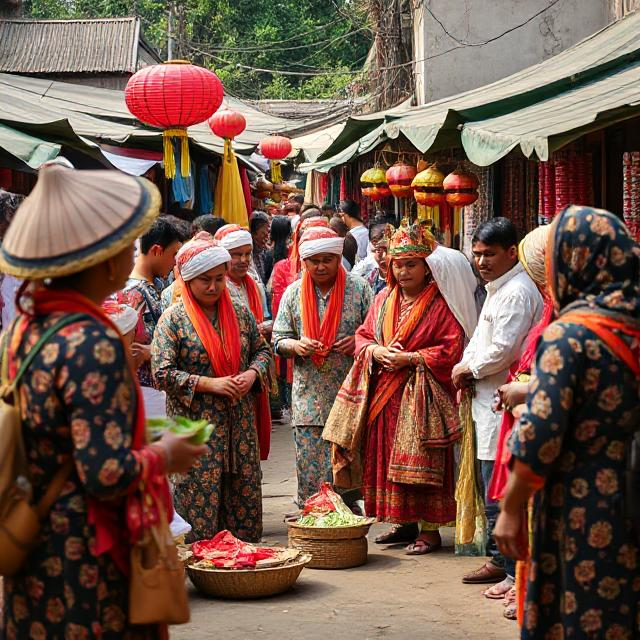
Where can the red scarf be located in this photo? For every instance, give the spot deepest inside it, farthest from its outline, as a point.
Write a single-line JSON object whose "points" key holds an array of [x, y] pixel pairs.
{"points": [[327, 331], [222, 348], [114, 532]]}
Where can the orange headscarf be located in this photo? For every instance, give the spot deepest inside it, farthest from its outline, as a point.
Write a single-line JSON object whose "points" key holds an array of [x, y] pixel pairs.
{"points": [[327, 331]]}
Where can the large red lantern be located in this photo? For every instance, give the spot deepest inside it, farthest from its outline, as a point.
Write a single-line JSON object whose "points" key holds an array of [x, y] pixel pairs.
{"points": [[460, 188], [275, 148], [399, 177], [173, 96], [227, 124]]}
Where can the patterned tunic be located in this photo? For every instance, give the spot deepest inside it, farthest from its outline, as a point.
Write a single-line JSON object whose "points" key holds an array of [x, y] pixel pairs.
{"points": [[222, 490], [145, 298], [315, 388], [64, 590]]}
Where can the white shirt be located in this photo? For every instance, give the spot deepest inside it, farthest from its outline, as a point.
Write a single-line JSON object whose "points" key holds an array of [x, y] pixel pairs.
{"points": [[365, 267], [8, 290], [361, 235], [512, 308]]}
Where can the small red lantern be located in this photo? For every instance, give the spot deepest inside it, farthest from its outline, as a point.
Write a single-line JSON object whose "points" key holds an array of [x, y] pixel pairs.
{"points": [[227, 124], [276, 148], [461, 188], [173, 96], [399, 178]]}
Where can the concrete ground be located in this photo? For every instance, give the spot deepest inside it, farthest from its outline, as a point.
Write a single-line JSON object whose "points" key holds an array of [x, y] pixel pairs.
{"points": [[393, 596]]}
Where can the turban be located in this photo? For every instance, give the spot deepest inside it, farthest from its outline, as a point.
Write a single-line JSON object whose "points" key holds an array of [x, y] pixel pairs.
{"points": [[320, 240], [122, 315], [199, 256], [531, 251], [232, 236]]}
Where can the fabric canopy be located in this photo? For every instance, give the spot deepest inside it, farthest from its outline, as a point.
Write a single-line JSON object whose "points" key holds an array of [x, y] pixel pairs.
{"points": [[33, 151]]}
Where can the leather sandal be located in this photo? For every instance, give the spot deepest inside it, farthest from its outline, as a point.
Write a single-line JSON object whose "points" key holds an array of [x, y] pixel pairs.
{"points": [[487, 574], [399, 533]]}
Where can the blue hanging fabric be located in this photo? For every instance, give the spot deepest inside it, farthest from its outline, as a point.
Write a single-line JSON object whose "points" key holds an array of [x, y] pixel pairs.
{"points": [[205, 190], [181, 188]]}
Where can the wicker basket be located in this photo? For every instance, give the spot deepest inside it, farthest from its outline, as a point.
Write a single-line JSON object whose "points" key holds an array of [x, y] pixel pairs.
{"points": [[245, 584], [331, 548]]}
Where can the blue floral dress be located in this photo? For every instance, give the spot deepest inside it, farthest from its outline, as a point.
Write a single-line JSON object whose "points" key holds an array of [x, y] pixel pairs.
{"points": [[583, 406]]}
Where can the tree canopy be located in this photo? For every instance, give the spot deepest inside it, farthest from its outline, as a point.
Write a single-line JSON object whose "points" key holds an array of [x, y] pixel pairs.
{"points": [[278, 49]]}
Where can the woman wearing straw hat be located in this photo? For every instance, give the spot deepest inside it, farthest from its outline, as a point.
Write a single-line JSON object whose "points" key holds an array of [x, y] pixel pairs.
{"points": [[83, 420]]}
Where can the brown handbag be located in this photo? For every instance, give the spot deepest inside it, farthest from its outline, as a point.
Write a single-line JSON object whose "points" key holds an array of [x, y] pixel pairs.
{"points": [[157, 593], [20, 520]]}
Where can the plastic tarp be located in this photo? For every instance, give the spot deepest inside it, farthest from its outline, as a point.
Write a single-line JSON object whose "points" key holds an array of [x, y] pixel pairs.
{"points": [[33, 151]]}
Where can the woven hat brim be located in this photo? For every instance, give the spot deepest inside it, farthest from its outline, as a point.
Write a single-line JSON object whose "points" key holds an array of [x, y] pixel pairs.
{"points": [[146, 211]]}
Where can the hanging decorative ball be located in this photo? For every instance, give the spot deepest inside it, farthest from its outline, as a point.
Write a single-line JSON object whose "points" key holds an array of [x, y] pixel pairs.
{"points": [[461, 188], [399, 177], [227, 123], [275, 148], [373, 184], [427, 187], [173, 96]]}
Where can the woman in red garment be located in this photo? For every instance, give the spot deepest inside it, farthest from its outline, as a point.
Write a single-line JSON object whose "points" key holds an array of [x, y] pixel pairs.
{"points": [[395, 420]]}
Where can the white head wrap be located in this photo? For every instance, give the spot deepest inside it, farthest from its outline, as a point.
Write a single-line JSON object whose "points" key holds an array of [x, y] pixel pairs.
{"points": [[125, 318], [457, 284], [235, 239], [310, 248], [201, 262], [295, 221]]}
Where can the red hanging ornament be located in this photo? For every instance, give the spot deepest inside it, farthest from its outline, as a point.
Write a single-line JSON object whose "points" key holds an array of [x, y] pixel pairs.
{"points": [[399, 177], [373, 184], [460, 188], [276, 148], [227, 124], [173, 96]]}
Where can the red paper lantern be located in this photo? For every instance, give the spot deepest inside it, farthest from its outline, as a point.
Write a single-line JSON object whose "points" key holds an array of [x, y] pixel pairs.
{"points": [[173, 96], [227, 124], [275, 147], [460, 188], [399, 178]]}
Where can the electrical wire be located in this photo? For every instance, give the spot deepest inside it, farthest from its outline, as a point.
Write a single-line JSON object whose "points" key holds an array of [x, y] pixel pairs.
{"points": [[552, 4]]}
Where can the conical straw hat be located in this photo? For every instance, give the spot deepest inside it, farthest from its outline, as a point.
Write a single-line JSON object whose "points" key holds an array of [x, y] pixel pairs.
{"points": [[73, 220]]}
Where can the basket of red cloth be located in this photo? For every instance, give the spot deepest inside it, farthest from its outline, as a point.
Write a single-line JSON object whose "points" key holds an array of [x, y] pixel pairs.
{"points": [[330, 532], [226, 567]]}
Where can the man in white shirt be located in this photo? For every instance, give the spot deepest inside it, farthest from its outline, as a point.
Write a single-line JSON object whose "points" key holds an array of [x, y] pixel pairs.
{"points": [[512, 308], [351, 216]]}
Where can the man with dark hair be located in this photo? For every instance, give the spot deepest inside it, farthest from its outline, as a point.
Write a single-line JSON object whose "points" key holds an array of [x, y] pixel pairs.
{"points": [[328, 210], [208, 223], [512, 307], [351, 216], [157, 256], [374, 267]]}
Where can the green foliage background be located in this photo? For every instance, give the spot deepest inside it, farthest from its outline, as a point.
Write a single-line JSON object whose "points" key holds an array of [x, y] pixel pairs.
{"points": [[328, 39]]}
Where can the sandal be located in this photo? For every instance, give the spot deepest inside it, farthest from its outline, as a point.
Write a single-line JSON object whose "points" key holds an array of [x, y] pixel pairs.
{"points": [[510, 605], [399, 533], [500, 590], [423, 546]]}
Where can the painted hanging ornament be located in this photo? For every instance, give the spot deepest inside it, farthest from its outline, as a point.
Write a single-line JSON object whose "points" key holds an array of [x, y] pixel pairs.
{"points": [[227, 123], [373, 184], [427, 187], [173, 96], [275, 149], [399, 178], [460, 188]]}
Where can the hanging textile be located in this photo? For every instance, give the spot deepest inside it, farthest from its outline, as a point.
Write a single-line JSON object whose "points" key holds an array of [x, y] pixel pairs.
{"points": [[323, 187], [204, 192], [308, 188], [344, 173], [246, 189], [631, 192], [230, 202]]}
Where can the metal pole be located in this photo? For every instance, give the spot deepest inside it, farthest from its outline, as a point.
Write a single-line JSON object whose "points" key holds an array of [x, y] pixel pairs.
{"points": [[170, 39]]}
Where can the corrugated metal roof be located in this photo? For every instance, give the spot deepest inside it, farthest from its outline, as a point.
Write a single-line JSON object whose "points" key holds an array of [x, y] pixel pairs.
{"points": [[69, 46]]}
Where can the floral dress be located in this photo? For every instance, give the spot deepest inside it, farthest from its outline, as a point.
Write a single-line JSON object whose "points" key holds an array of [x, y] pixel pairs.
{"points": [[223, 489], [582, 409], [315, 388], [78, 400]]}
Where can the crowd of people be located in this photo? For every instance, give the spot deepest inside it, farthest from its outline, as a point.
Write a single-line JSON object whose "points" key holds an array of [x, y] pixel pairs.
{"points": [[367, 338]]}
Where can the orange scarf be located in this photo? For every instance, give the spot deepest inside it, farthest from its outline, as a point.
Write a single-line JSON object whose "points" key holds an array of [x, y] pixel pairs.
{"points": [[255, 299], [327, 331], [396, 334], [222, 348]]}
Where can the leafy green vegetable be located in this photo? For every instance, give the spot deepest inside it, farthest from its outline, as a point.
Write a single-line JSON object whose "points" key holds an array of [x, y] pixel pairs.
{"points": [[199, 431]]}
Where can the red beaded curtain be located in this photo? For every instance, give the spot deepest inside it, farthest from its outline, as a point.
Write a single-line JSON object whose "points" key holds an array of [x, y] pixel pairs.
{"points": [[631, 192], [519, 194], [567, 178]]}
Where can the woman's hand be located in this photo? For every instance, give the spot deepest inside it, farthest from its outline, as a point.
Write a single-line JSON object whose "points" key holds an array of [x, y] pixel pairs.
{"points": [[265, 328], [180, 454], [345, 346], [508, 534], [512, 394], [245, 381], [392, 359], [141, 353], [306, 347], [226, 387]]}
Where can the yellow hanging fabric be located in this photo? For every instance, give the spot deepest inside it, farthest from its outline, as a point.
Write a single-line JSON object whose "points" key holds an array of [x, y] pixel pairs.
{"points": [[457, 220], [423, 212], [276, 172], [229, 197], [169, 159]]}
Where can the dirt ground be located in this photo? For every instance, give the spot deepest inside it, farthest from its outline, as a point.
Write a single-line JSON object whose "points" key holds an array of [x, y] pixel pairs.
{"points": [[392, 596]]}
